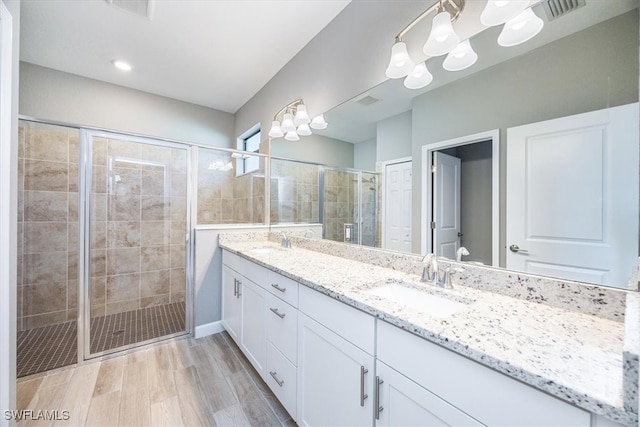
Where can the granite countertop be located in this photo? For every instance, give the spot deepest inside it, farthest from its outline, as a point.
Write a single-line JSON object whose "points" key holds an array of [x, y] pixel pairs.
{"points": [[574, 356]]}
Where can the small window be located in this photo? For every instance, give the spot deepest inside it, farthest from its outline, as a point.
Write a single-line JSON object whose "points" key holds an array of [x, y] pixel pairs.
{"points": [[250, 142]]}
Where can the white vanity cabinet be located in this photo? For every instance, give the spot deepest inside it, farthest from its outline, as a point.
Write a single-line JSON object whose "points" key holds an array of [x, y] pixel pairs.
{"points": [[231, 302], [402, 402], [335, 363], [459, 384], [253, 339]]}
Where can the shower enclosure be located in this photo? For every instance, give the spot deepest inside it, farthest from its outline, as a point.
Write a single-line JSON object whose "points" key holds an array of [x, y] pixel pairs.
{"points": [[345, 201], [103, 223]]}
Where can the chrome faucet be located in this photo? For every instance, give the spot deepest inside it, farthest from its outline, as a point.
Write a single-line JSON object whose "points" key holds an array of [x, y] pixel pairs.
{"points": [[442, 280], [461, 252], [430, 261], [285, 242]]}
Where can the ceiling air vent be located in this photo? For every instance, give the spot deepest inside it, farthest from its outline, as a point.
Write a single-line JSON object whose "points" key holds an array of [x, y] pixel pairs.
{"points": [[557, 8], [142, 8], [367, 100]]}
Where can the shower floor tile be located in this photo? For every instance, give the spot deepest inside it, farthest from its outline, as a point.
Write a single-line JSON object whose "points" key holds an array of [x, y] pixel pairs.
{"points": [[50, 347]]}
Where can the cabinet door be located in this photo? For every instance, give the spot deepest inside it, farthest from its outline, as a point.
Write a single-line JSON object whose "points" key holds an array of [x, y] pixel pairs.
{"points": [[253, 340], [230, 303], [404, 403], [335, 378]]}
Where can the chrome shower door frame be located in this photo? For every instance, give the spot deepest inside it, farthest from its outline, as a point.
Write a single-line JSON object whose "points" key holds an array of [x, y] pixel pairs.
{"points": [[84, 241]]}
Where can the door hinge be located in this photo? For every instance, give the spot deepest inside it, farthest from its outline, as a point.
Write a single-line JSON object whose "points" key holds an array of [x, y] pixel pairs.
{"points": [[433, 225], [434, 169]]}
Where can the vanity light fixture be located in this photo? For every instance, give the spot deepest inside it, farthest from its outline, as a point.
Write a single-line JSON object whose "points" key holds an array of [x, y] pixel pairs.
{"points": [[293, 121], [520, 25]]}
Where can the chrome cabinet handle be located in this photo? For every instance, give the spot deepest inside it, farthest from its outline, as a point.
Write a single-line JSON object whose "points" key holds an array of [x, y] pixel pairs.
{"points": [[515, 248], [275, 285], [274, 375], [235, 287], [277, 313], [239, 284], [378, 407], [363, 396]]}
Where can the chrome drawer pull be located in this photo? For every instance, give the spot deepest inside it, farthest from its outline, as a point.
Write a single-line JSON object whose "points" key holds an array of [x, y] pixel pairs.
{"points": [[363, 396], [275, 285], [275, 311], [275, 377], [378, 407]]}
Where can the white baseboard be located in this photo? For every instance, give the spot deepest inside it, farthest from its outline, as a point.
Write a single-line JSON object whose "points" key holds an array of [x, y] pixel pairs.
{"points": [[209, 329]]}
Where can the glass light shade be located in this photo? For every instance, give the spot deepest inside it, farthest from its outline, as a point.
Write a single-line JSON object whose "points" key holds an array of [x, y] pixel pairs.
{"points": [[318, 122], [302, 117], [304, 130], [292, 136], [400, 63], [443, 39], [520, 29], [460, 58], [419, 77], [498, 12], [276, 131], [287, 123]]}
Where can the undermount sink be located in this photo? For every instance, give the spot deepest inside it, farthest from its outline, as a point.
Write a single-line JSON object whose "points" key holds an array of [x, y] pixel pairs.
{"points": [[418, 298]]}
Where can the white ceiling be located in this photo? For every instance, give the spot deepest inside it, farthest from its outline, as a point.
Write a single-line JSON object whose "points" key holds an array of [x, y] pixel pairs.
{"points": [[215, 53]]}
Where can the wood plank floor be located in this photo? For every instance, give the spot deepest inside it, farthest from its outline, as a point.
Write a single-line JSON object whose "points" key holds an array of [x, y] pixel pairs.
{"points": [[188, 382]]}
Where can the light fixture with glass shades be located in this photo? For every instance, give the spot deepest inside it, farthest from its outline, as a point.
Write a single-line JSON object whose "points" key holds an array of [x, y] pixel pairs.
{"points": [[293, 121], [520, 24]]}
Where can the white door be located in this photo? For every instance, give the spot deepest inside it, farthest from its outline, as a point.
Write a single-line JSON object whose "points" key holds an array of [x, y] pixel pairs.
{"points": [[402, 402], [572, 196], [335, 378], [230, 303], [253, 339], [446, 205], [397, 200]]}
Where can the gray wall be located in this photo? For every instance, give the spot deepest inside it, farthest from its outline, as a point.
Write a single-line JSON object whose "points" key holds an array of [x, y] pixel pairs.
{"points": [[364, 155], [9, 242], [347, 58], [315, 148], [475, 200], [394, 137], [54, 95], [594, 69]]}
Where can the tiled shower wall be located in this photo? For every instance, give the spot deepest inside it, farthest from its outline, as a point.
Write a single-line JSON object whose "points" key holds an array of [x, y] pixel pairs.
{"points": [[340, 203], [294, 192], [138, 220], [47, 225], [223, 197]]}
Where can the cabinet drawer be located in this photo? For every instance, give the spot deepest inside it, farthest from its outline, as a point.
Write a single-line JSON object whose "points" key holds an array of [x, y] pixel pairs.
{"points": [[350, 323], [283, 288], [281, 378], [231, 260], [488, 396], [252, 271], [282, 327]]}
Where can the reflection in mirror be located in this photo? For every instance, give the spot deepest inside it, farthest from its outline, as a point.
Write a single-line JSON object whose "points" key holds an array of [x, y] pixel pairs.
{"points": [[583, 61], [226, 194]]}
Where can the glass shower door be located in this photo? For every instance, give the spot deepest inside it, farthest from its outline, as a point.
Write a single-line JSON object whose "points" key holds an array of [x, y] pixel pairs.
{"points": [[137, 221]]}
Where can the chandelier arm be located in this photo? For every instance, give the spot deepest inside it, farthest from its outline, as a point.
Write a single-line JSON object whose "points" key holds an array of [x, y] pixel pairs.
{"points": [[286, 107], [456, 5]]}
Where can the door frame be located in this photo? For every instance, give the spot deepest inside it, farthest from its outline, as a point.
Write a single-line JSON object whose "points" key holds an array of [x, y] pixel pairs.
{"points": [[427, 181], [383, 189], [84, 241], [8, 215]]}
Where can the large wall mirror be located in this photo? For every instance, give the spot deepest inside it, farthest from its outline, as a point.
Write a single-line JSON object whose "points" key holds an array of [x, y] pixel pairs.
{"points": [[529, 159]]}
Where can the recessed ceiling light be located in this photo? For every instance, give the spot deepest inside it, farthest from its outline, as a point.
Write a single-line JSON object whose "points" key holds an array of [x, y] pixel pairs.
{"points": [[121, 65]]}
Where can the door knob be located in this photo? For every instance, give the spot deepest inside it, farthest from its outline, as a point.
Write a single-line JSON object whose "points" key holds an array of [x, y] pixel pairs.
{"points": [[515, 248]]}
